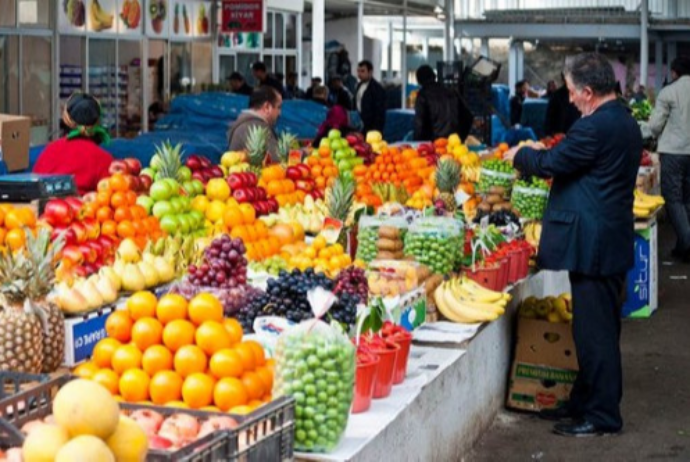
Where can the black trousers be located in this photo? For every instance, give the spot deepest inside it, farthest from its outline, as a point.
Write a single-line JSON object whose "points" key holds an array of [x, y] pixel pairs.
{"points": [[598, 389], [675, 187]]}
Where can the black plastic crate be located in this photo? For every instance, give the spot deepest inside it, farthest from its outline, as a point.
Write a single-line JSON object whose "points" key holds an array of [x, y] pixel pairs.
{"points": [[14, 382]]}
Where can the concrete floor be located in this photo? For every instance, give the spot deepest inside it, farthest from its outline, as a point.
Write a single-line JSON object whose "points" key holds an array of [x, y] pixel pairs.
{"points": [[656, 401]]}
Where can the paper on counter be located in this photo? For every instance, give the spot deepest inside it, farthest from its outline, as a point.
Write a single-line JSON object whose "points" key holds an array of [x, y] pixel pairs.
{"points": [[445, 332]]}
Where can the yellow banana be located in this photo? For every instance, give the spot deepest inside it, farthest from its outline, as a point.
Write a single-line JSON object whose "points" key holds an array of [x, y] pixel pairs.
{"points": [[463, 291], [641, 213], [475, 288], [478, 312], [482, 302], [444, 308]]}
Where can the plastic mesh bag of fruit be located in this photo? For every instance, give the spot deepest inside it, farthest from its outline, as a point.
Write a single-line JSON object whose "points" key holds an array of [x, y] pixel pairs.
{"points": [[378, 234], [315, 363], [529, 202], [434, 242], [489, 178]]}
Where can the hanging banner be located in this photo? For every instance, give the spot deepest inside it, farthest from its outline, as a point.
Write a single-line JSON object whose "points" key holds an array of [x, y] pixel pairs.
{"points": [[101, 16], [158, 18], [242, 16], [183, 19], [202, 19], [129, 16]]}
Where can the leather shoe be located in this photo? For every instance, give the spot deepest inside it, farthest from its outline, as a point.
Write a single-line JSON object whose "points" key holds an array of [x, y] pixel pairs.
{"points": [[559, 413], [582, 429]]}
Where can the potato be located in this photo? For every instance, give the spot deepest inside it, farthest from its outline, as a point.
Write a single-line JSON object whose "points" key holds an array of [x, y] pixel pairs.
{"points": [[389, 232], [389, 245], [492, 199]]}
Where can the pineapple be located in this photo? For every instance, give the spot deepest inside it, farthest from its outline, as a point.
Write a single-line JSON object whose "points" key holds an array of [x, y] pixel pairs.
{"points": [[447, 180], [285, 143], [339, 200], [256, 148], [31, 334], [168, 160]]}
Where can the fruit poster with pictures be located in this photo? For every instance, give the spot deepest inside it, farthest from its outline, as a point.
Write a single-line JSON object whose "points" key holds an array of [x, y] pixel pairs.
{"points": [[182, 19], [72, 16], [100, 16], [158, 18], [130, 16], [202, 19]]}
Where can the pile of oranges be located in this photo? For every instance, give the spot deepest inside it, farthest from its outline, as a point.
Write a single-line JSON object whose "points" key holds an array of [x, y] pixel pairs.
{"points": [[179, 353], [324, 258], [260, 244], [323, 168], [278, 186], [13, 221], [116, 209]]}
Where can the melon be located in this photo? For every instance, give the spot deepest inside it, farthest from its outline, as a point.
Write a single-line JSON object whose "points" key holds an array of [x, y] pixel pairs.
{"points": [[43, 443], [83, 407], [85, 448], [129, 443]]}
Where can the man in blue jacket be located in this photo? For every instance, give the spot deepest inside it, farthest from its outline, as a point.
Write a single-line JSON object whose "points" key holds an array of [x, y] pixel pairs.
{"points": [[588, 231]]}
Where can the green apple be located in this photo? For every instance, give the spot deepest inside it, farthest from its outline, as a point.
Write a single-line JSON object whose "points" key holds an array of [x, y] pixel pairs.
{"points": [[162, 208], [357, 161], [174, 185], [198, 187], [170, 224], [186, 203], [189, 188], [325, 142], [176, 203], [148, 172], [344, 165], [146, 202], [184, 173], [347, 174], [155, 162], [160, 191], [334, 134], [340, 154], [185, 223]]}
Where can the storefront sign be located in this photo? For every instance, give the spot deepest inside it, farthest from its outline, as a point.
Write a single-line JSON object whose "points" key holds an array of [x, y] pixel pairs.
{"points": [[242, 16]]}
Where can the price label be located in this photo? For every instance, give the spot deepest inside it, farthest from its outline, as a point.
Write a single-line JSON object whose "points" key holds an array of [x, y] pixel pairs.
{"points": [[484, 223], [331, 229], [294, 158], [461, 197]]}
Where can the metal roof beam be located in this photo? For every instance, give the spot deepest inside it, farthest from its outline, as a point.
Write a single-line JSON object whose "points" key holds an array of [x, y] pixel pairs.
{"points": [[481, 29]]}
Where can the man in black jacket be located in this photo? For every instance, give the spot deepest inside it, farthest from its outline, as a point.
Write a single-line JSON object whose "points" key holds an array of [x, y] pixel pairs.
{"points": [[516, 102], [589, 231], [339, 94], [263, 79], [239, 85], [370, 99], [561, 114], [438, 111]]}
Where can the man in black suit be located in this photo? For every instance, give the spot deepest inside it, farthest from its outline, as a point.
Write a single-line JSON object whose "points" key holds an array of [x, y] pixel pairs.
{"points": [[239, 85], [589, 231], [370, 98], [561, 114], [263, 79]]}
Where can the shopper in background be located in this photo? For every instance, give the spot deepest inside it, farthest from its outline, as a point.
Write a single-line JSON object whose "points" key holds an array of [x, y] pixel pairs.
{"points": [[263, 79], [561, 114], [370, 99], [265, 104], [320, 95], [238, 85], [438, 111], [670, 123], [521, 92], [340, 95], [641, 94], [338, 119], [315, 82], [589, 232], [292, 90], [78, 153], [550, 89]]}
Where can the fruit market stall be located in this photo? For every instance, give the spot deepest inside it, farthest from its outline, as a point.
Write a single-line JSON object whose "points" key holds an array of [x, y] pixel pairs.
{"points": [[343, 294]]}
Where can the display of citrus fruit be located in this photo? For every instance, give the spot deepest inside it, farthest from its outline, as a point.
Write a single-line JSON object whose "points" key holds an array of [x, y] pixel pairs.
{"points": [[165, 387]]}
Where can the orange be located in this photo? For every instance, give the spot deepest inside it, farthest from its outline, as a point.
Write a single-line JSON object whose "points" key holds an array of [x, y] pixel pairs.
{"points": [[109, 228], [178, 333], [266, 376], [119, 326], [234, 328], [248, 213], [165, 387], [253, 384], [134, 385], [3, 233], [126, 357], [259, 355], [15, 238], [104, 214], [211, 336], [103, 198], [122, 213], [155, 359], [197, 390], [118, 199], [142, 304], [27, 217], [109, 379], [2, 217], [103, 352], [147, 332], [241, 410], [226, 363], [247, 356], [118, 182], [205, 307], [228, 393], [85, 370], [138, 212], [13, 219], [171, 307], [131, 198], [189, 360], [270, 364], [178, 404], [232, 217], [255, 403], [126, 229]]}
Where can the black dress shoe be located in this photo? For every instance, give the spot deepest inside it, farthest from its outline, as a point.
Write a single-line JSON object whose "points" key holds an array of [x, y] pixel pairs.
{"points": [[559, 413], [580, 429]]}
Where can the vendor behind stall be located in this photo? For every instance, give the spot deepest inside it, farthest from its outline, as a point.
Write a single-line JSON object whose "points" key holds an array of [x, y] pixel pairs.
{"points": [[78, 153]]}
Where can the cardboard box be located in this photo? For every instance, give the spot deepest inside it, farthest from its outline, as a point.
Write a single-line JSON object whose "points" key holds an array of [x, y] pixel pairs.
{"points": [[82, 333], [410, 313], [545, 365], [642, 291], [15, 135]]}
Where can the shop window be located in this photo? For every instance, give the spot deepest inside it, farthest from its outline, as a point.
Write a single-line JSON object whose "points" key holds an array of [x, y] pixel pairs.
{"points": [[103, 78], [202, 59], [35, 12], [9, 75], [279, 25], [268, 36], [181, 78], [291, 31], [36, 78], [8, 14], [130, 88]]}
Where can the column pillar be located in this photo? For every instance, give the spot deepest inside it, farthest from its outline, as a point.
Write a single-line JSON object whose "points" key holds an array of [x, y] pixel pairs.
{"points": [[318, 38], [644, 42], [403, 59], [360, 31], [659, 64], [484, 48], [516, 60], [390, 50]]}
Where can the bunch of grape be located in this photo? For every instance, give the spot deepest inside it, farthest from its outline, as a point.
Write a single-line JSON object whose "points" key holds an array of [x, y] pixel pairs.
{"points": [[352, 280], [232, 299], [259, 305], [223, 266], [345, 309]]}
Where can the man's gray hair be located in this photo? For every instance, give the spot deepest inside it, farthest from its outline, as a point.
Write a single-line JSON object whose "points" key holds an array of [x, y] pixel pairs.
{"points": [[591, 70]]}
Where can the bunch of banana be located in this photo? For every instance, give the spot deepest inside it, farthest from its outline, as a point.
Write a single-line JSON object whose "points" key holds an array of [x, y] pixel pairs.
{"points": [[464, 301], [100, 19], [470, 173], [645, 204], [533, 233], [552, 309], [182, 252]]}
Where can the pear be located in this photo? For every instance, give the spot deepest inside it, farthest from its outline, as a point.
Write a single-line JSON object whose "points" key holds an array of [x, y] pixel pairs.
{"points": [[165, 269], [128, 251], [149, 258], [106, 289], [70, 300], [93, 297], [151, 278], [119, 269], [132, 279], [109, 273]]}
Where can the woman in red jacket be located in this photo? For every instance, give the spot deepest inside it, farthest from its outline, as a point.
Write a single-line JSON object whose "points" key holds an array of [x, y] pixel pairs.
{"points": [[78, 153]]}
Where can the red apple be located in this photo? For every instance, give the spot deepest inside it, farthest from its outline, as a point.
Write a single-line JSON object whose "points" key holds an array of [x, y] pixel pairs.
{"points": [[145, 182], [58, 212], [133, 165], [89, 254], [198, 175], [193, 163], [216, 171], [293, 173], [306, 173], [69, 235], [215, 424], [180, 427], [93, 229], [73, 254], [159, 442], [260, 194], [80, 231], [205, 163], [90, 268], [118, 166], [150, 421], [75, 204]]}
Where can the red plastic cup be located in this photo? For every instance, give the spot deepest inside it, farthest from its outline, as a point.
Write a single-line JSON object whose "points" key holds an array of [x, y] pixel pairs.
{"points": [[384, 377], [404, 342], [365, 379]]}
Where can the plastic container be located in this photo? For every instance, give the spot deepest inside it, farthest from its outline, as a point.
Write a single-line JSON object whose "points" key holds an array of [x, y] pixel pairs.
{"points": [[369, 233], [365, 379], [384, 377], [435, 242], [487, 276], [14, 382], [529, 202], [516, 261], [402, 358], [489, 178]]}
